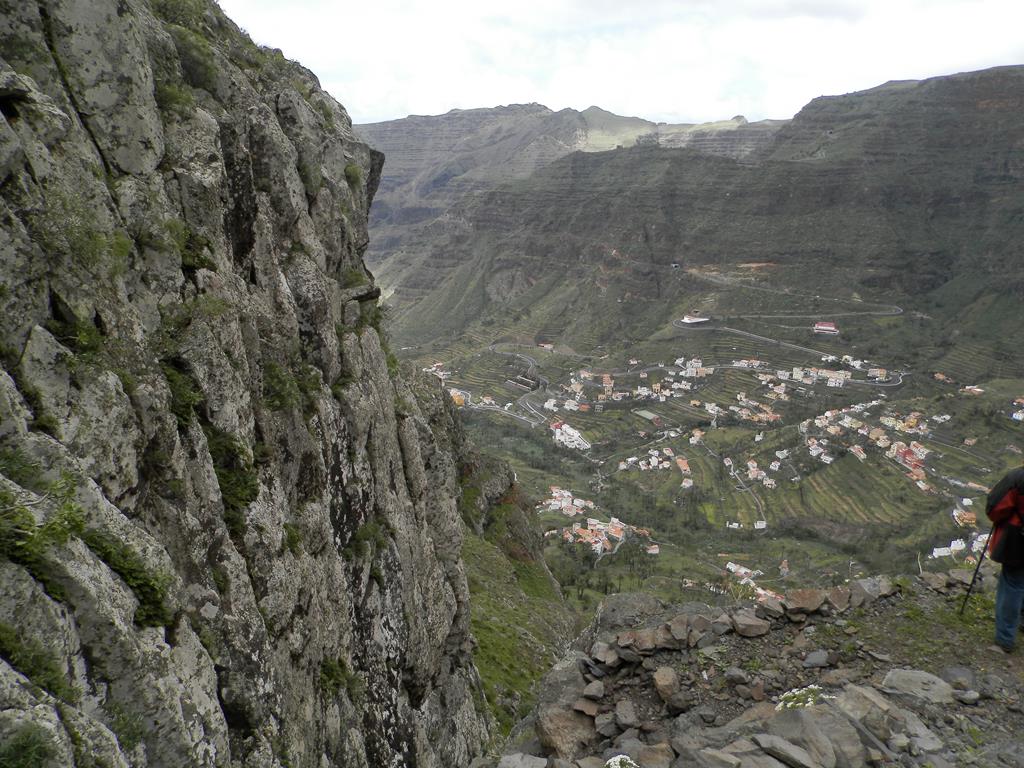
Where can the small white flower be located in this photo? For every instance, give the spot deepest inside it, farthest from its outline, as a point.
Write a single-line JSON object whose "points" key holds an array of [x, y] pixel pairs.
{"points": [[802, 697]]}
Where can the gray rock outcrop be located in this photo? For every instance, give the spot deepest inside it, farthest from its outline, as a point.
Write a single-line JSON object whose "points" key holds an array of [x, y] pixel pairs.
{"points": [[675, 692], [228, 527]]}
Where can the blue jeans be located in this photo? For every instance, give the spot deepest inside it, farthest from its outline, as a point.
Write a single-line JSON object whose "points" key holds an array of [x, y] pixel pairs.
{"points": [[1009, 603]]}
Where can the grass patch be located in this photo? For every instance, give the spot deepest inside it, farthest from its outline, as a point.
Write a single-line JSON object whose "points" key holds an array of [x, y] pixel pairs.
{"points": [[128, 726], [236, 475], [353, 277], [29, 746], [293, 538], [196, 55], [339, 385], [507, 593], [311, 175], [391, 360], [353, 175], [467, 503], [36, 663], [932, 636], [377, 317], [326, 114], [335, 677], [150, 588]]}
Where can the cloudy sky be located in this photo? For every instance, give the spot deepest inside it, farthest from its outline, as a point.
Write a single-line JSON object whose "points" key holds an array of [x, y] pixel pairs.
{"points": [[670, 60]]}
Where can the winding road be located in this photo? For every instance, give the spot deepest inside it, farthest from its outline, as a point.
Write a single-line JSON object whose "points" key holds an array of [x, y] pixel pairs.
{"points": [[888, 311], [679, 324]]}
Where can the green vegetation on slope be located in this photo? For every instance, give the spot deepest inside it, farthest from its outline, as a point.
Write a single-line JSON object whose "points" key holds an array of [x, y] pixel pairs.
{"points": [[516, 615]]}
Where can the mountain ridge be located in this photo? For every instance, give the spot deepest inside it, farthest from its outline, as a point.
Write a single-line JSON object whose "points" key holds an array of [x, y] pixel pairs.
{"points": [[437, 163], [868, 183]]}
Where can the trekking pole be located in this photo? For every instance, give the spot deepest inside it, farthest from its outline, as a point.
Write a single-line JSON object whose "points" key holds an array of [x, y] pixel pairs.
{"points": [[976, 569]]}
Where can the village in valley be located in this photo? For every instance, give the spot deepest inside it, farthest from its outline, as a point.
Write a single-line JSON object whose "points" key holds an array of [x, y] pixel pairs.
{"points": [[747, 441], [599, 537]]}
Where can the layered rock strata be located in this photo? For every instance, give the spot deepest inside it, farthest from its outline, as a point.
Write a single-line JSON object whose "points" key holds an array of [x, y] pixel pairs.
{"points": [[891, 192], [228, 528], [437, 165]]}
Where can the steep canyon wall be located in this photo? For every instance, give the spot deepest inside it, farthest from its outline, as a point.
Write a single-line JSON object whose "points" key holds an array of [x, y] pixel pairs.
{"points": [[228, 527]]}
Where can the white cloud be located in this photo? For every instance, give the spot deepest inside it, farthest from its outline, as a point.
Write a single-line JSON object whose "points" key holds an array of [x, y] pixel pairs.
{"points": [[662, 59]]}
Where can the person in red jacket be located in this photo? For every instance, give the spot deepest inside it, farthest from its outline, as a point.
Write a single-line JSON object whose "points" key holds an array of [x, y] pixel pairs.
{"points": [[1005, 509]]}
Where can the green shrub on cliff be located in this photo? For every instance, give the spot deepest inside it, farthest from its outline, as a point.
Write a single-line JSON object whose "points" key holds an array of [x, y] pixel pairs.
{"points": [[81, 336], [149, 588], [28, 746], [293, 538], [238, 480], [353, 277], [290, 387], [185, 13], [280, 390], [36, 663], [69, 227], [174, 98], [353, 175], [190, 245], [185, 393], [28, 543], [20, 468], [197, 62], [335, 677], [370, 537]]}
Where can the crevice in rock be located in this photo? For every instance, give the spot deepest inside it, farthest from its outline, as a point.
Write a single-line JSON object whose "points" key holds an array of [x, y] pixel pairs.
{"points": [[240, 210], [237, 719], [9, 106], [48, 37]]}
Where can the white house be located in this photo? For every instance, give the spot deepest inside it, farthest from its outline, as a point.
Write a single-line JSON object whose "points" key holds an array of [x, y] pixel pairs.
{"points": [[569, 437]]}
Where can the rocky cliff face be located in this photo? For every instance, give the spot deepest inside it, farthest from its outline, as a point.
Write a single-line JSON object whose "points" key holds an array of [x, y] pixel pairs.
{"points": [[228, 528], [437, 165], [898, 191]]}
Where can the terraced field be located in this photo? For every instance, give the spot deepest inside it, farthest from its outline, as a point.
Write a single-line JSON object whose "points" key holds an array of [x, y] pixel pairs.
{"points": [[962, 463], [966, 362], [723, 387], [825, 519], [842, 492], [606, 430], [487, 373], [720, 346], [678, 411]]}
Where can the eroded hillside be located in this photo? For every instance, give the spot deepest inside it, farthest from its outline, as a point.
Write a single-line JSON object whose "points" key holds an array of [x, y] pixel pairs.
{"points": [[437, 164], [906, 192]]}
